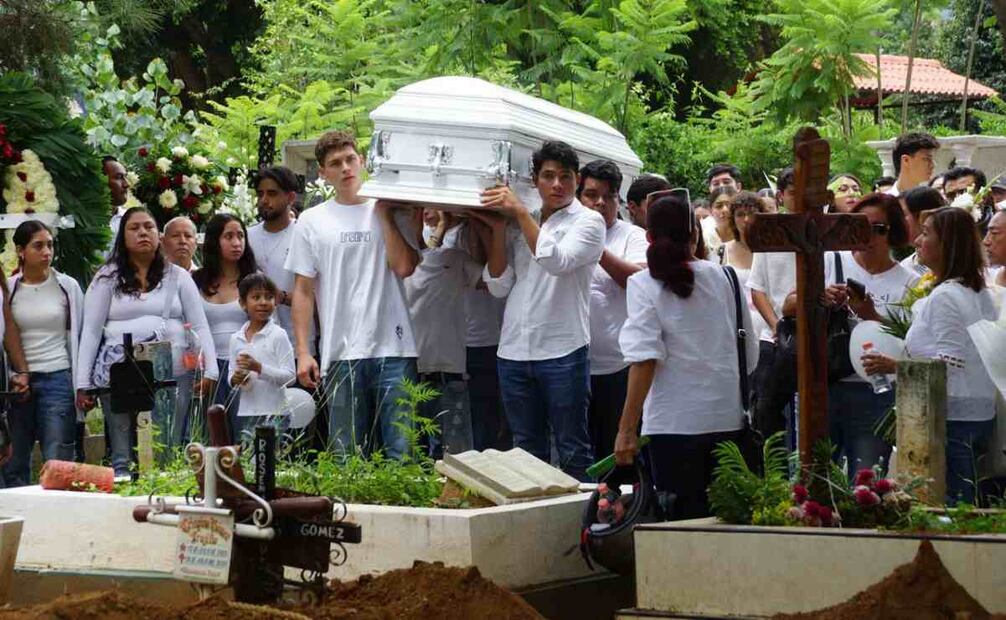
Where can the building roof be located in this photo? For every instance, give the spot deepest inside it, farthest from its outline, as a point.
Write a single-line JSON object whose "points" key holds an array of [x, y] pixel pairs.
{"points": [[929, 77]]}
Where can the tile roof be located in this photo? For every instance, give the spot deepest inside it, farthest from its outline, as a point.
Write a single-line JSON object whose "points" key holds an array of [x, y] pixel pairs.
{"points": [[929, 77]]}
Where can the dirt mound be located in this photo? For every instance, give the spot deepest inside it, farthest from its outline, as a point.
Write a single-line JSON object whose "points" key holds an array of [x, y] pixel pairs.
{"points": [[923, 589], [423, 592]]}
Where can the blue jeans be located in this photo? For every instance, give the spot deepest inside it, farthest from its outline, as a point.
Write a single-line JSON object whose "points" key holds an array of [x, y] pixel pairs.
{"points": [[853, 410], [362, 398], [168, 422], [229, 397], [49, 417], [966, 441], [452, 412], [544, 394], [246, 424], [489, 429]]}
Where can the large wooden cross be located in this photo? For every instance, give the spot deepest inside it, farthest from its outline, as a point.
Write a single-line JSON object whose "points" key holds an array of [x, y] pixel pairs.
{"points": [[809, 232]]}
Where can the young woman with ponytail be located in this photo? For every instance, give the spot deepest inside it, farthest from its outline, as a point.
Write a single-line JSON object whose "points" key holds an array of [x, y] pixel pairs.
{"points": [[681, 338]]}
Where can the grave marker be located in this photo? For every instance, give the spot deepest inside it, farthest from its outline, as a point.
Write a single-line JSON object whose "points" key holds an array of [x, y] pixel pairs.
{"points": [[922, 425]]}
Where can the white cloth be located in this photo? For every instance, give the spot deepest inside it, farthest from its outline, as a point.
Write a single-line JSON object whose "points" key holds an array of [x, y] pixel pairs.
{"points": [[271, 250], [773, 273], [111, 314], [607, 299], [262, 393], [224, 320], [360, 301], [435, 293], [547, 310], [41, 312], [696, 387], [912, 264], [710, 235], [939, 331], [114, 224]]}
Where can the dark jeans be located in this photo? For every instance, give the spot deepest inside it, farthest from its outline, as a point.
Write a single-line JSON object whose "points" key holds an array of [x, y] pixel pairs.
{"points": [[489, 427], [230, 398], [966, 441], [607, 397], [49, 417], [774, 388], [451, 411], [544, 394], [853, 410], [682, 467], [362, 398]]}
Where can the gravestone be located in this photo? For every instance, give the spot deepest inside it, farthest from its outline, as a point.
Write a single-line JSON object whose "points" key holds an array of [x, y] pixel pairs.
{"points": [[506, 477], [810, 232], [922, 425]]}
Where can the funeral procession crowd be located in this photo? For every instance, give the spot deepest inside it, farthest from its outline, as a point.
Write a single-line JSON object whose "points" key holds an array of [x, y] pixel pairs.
{"points": [[568, 330]]}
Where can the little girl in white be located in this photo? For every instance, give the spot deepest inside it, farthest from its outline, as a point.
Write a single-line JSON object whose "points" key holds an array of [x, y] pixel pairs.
{"points": [[261, 358]]}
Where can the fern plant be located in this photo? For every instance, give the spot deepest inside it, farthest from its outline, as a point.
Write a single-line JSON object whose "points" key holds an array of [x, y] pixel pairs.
{"points": [[740, 495]]}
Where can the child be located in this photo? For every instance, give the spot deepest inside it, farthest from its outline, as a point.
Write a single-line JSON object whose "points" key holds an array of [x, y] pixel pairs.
{"points": [[261, 358]]}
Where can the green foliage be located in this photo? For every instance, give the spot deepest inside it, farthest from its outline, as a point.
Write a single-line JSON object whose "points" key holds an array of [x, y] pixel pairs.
{"points": [[741, 496], [992, 121], [36, 120], [959, 519]]}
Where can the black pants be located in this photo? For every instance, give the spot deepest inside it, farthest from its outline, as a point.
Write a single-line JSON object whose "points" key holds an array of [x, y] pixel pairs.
{"points": [[607, 397], [774, 387], [682, 467]]}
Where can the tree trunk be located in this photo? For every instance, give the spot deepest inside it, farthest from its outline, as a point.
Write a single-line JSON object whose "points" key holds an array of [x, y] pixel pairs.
{"points": [[907, 95], [880, 94], [971, 60], [999, 8]]}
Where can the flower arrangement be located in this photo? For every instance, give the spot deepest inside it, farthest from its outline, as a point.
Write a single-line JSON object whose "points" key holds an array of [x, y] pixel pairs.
{"points": [[175, 182], [870, 501], [975, 203], [27, 188], [899, 315], [241, 201]]}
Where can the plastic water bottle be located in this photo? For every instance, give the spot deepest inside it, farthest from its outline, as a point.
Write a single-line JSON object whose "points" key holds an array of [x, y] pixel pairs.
{"points": [[190, 357], [880, 381]]}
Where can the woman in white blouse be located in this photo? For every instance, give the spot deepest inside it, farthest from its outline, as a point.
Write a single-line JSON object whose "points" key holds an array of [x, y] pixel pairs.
{"points": [[138, 292], [227, 259], [47, 307], [950, 247], [681, 338]]}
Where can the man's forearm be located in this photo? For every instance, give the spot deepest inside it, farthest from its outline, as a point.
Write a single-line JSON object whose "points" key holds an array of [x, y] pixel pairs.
{"points": [[618, 268], [529, 228], [764, 306], [402, 258], [302, 314], [496, 259]]}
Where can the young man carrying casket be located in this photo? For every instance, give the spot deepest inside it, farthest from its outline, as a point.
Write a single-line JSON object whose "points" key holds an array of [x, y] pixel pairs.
{"points": [[543, 263]]}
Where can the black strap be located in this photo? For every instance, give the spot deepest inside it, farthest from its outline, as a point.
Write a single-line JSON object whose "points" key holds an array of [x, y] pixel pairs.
{"points": [[742, 358], [839, 276]]}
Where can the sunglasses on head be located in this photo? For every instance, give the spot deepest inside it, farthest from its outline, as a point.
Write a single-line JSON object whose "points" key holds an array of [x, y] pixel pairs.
{"points": [[880, 229]]}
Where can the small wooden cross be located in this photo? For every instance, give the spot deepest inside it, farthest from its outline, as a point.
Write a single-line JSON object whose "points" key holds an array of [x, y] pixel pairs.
{"points": [[809, 232]]}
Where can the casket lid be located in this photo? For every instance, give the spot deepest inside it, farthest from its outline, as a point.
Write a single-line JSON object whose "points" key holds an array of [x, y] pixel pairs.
{"points": [[470, 103]]}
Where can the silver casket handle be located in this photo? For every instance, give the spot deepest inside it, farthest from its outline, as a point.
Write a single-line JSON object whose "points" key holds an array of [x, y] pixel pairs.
{"points": [[377, 154], [439, 158]]}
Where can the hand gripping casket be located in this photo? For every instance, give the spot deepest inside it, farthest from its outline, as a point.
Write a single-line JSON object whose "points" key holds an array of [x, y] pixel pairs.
{"points": [[442, 141]]}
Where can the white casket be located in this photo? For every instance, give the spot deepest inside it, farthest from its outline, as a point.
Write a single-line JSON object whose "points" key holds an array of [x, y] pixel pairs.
{"points": [[442, 141]]}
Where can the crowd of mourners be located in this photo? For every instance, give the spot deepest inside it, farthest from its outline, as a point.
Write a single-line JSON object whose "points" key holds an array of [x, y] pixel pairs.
{"points": [[567, 329]]}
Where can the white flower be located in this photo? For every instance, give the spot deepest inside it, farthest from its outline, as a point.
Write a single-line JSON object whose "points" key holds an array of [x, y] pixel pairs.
{"points": [[131, 201], [28, 186], [163, 164], [168, 199], [199, 162], [205, 206], [179, 152], [132, 178], [964, 201], [221, 145], [221, 182], [193, 184]]}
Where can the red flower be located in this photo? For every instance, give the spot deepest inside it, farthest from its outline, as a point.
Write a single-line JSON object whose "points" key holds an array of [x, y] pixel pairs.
{"points": [[163, 182], [143, 152], [800, 493], [190, 202], [3, 130], [17, 157], [863, 477], [151, 167], [23, 177], [29, 196], [825, 514], [812, 508], [865, 497], [884, 486], [178, 180], [205, 190], [217, 189], [8, 151]]}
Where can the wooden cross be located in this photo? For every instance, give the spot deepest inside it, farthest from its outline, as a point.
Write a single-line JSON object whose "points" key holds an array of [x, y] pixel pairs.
{"points": [[809, 232]]}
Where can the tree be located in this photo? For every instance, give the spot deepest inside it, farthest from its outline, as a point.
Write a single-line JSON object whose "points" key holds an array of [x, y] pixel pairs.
{"points": [[813, 71]]}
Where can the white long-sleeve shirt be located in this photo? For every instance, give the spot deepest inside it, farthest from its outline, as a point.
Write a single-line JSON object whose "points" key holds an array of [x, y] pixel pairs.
{"points": [[696, 387], [940, 331], [111, 314], [262, 393], [547, 310]]}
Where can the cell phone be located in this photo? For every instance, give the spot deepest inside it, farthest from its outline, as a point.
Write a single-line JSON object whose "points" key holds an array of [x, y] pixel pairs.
{"points": [[856, 288]]}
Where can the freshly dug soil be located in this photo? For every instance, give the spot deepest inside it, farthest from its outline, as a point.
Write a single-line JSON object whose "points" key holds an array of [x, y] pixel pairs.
{"points": [[923, 589], [455, 496], [423, 592]]}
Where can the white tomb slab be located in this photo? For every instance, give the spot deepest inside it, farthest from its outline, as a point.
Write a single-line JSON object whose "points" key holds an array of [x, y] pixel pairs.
{"points": [[443, 140], [506, 477], [516, 546]]}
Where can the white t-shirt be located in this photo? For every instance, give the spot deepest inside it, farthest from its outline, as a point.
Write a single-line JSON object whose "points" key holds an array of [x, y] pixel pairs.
{"points": [[607, 298], [696, 388], [484, 317], [547, 309], [361, 303], [940, 331], [263, 393], [435, 293], [773, 273], [41, 312], [271, 250], [912, 263]]}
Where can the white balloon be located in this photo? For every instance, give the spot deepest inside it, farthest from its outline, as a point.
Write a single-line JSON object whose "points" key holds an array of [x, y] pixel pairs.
{"points": [[884, 343], [300, 407]]}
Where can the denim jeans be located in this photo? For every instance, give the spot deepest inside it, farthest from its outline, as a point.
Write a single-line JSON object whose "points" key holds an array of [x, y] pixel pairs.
{"points": [[246, 426], [49, 417], [550, 394], [607, 397], [966, 441], [853, 410], [452, 413], [362, 398], [489, 428], [229, 397]]}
